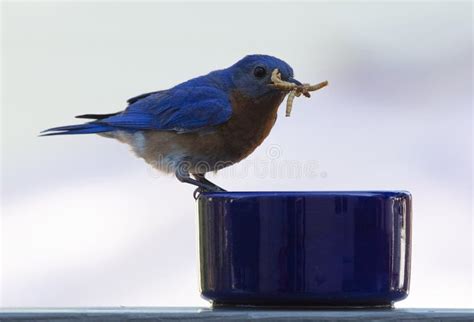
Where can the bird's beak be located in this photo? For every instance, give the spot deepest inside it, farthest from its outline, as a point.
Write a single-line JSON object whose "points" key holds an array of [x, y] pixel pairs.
{"points": [[292, 80]]}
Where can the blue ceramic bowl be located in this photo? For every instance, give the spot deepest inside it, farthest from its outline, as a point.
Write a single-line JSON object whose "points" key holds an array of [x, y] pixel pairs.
{"points": [[305, 248]]}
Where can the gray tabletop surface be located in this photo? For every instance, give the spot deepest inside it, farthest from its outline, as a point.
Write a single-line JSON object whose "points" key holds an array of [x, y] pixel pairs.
{"points": [[230, 314]]}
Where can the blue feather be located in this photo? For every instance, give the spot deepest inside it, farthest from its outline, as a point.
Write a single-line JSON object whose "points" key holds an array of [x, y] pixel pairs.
{"points": [[178, 109], [87, 128]]}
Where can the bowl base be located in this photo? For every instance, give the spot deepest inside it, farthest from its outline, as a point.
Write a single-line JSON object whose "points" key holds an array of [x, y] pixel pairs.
{"points": [[309, 306]]}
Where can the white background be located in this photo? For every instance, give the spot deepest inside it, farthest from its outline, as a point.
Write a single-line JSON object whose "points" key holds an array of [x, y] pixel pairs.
{"points": [[85, 223]]}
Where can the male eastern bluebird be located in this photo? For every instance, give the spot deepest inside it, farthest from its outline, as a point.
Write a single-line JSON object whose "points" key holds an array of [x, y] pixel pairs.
{"points": [[201, 125]]}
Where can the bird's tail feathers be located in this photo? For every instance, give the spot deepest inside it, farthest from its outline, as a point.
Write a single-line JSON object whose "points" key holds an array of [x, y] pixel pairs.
{"points": [[86, 128]]}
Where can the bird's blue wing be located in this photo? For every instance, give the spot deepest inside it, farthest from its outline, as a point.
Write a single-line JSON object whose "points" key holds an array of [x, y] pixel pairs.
{"points": [[141, 96], [178, 109]]}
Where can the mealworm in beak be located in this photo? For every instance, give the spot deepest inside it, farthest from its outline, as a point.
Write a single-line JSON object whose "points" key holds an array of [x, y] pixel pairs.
{"points": [[294, 89], [289, 101]]}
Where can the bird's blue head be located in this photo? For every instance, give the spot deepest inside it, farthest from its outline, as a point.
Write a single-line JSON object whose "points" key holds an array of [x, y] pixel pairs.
{"points": [[251, 75]]}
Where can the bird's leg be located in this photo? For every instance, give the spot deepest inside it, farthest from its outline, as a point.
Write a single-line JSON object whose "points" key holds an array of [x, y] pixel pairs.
{"points": [[201, 178], [182, 174], [185, 177]]}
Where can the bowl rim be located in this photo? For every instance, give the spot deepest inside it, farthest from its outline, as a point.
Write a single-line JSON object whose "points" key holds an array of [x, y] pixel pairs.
{"points": [[285, 194]]}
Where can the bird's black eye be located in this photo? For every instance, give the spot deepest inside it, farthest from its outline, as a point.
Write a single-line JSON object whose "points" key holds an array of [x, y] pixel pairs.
{"points": [[259, 72]]}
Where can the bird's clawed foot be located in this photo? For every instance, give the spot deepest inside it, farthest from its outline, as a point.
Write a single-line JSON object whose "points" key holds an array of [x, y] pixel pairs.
{"points": [[205, 186], [200, 181], [200, 190]]}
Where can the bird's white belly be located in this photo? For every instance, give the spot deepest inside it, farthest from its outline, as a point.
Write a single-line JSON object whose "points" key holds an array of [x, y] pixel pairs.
{"points": [[166, 151]]}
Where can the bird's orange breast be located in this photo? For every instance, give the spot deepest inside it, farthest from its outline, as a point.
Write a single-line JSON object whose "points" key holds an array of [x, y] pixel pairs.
{"points": [[250, 124]]}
